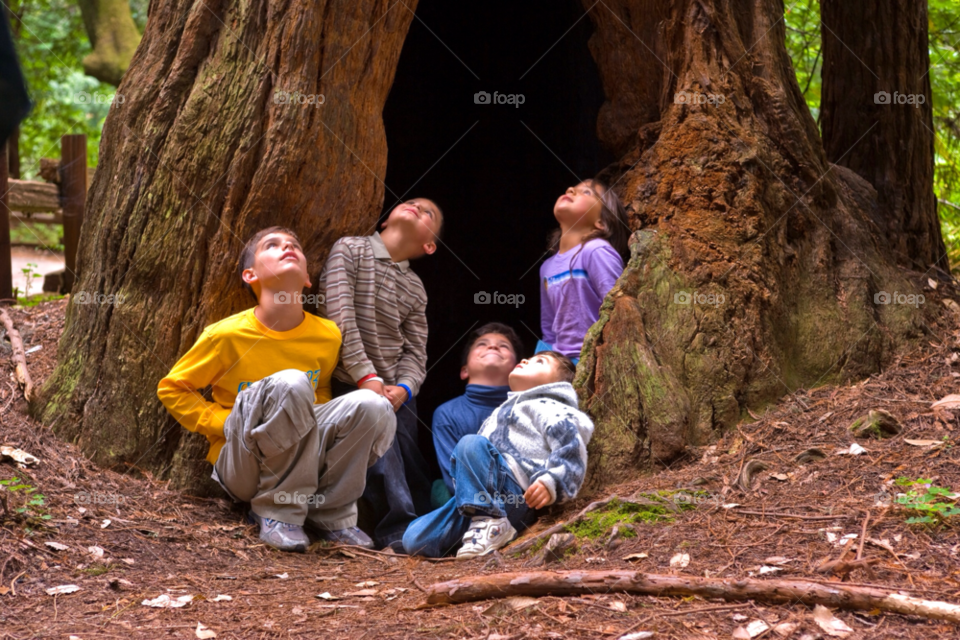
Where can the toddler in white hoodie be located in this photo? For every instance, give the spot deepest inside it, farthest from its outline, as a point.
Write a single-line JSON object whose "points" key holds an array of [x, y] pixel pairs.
{"points": [[530, 453]]}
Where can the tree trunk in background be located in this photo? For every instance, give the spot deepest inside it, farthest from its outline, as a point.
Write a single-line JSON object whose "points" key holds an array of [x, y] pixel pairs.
{"points": [[212, 143], [875, 51], [757, 265], [113, 36]]}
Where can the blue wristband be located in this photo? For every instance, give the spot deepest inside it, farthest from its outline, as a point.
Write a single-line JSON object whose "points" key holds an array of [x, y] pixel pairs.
{"points": [[407, 389]]}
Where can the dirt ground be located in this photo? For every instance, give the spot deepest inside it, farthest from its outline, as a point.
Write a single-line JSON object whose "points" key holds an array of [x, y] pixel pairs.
{"points": [[123, 538]]}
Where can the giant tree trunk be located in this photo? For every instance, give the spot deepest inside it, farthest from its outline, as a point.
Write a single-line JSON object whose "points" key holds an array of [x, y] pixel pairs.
{"points": [[875, 50], [757, 265], [203, 152]]}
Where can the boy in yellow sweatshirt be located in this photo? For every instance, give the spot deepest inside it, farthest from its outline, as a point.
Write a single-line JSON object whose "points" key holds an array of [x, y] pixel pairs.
{"points": [[277, 440]]}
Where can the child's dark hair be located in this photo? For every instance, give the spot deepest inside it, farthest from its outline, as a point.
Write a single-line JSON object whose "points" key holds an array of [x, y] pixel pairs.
{"points": [[565, 366], [249, 251], [613, 216], [492, 327]]}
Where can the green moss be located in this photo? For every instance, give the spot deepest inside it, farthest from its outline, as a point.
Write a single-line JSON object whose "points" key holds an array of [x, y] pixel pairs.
{"points": [[647, 508], [97, 569]]}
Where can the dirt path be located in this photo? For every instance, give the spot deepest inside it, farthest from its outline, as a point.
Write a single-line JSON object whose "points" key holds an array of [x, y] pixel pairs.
{"points": [[123, 538], [44, 262]]}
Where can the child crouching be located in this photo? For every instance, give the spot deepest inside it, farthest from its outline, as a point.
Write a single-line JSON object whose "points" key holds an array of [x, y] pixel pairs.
{"points": [[530, 453]]}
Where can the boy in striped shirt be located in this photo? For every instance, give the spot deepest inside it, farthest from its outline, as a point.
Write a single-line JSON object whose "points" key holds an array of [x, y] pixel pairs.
{"points": [[379, 304]]}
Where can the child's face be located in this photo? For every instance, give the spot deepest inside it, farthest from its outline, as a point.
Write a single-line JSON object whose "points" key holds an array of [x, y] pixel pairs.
{"points": [[491, 356], [419, 220], [579, 206], [278, 263], [533, 372]]}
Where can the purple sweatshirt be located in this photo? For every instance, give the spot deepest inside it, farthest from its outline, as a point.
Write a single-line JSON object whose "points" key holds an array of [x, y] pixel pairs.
{"points": [[571, 293]]}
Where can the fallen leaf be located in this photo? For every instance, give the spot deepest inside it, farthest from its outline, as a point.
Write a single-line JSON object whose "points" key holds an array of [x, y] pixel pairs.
{"points": [[785, 629], [680, 560], [830, 624], [166, 602], [129, 561], [282, 576], [741, 633], [62, 589], [203, 633], [765, 570], [757, 627], [105, 524], [326, 596], [222, 598], [730, 505], [738, 617], [782, 477], [854, 450], [923, 443], [363, 593], [18, 455], [95, 551], [367, 583], [4, 590], [951, 401], [616, 605], [636, 556], [57, 546], [637, 635], [518, 603], [778, 560]]}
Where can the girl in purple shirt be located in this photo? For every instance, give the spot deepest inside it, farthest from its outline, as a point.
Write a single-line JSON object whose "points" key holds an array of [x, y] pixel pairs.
{"points": [[589, 250]]}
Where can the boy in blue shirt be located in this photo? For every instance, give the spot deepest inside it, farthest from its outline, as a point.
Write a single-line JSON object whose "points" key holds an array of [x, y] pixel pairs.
{"points": [[488, 357]]}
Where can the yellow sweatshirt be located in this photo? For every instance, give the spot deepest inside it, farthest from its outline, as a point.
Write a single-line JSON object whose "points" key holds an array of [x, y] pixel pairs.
{"points": [[232, 354]]}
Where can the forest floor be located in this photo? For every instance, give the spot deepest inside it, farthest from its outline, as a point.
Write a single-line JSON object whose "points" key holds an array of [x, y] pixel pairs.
{"points": [[123, 538]]}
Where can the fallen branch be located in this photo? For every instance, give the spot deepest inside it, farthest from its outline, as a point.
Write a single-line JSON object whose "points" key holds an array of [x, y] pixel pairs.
{"points": [[557, 528], [19, 357], [540, 583]]}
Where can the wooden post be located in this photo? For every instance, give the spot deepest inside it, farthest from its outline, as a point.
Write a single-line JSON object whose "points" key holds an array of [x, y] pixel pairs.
{"points": [[6, 267], [73, 189]]}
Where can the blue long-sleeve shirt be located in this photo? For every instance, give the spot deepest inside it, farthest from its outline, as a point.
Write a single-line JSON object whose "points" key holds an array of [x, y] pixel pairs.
{"points": [[462, 416]]}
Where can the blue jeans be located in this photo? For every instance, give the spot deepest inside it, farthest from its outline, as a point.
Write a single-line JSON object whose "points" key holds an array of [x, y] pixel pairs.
{"points": [[483, 486]]}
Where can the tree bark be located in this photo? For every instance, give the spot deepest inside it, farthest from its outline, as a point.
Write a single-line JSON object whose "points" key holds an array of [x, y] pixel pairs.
{"points": [[876, 50], [568, 583], [113, 36], [204, 151], [756, 264]]}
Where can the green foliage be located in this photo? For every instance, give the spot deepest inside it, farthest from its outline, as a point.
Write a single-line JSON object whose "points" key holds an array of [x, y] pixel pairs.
{"points": [[932, 505], [31, 504], [51, 43]]}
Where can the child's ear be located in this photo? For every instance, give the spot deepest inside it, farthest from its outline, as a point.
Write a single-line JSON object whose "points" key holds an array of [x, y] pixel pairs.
{"points": [[600, 226], [430, 248], [463, 373], [249, 276]]}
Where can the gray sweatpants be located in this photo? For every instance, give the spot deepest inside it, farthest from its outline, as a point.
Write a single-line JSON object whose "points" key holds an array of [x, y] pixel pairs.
{"points": [[293, 460]]}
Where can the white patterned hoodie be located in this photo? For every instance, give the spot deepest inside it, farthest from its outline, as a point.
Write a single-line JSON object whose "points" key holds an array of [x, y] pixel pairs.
{"points": [[543, 436]]}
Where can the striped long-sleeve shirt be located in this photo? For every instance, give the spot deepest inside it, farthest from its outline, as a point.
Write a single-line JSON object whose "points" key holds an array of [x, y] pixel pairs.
{"points": [[380, 307]]}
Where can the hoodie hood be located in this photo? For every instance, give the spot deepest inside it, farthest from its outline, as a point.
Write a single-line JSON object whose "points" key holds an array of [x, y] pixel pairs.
{"points": [[562, 392]]}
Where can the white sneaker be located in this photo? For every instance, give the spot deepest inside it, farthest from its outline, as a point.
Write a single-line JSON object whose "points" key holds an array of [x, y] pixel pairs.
{"points": [[486, 534]]}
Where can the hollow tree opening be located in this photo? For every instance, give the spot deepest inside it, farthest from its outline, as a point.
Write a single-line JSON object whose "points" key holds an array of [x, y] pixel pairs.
{"points": [[495, 169]]}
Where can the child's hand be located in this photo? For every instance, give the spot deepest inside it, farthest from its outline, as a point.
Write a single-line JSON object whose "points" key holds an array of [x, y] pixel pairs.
{"points": [[396, 395], [376, 386], [537, 496]]}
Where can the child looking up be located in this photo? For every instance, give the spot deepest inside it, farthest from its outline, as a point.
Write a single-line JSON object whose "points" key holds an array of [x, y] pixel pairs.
{"points": [[379, 304], [530, 453], [489, 355], [277, 440], [590, 247]]}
